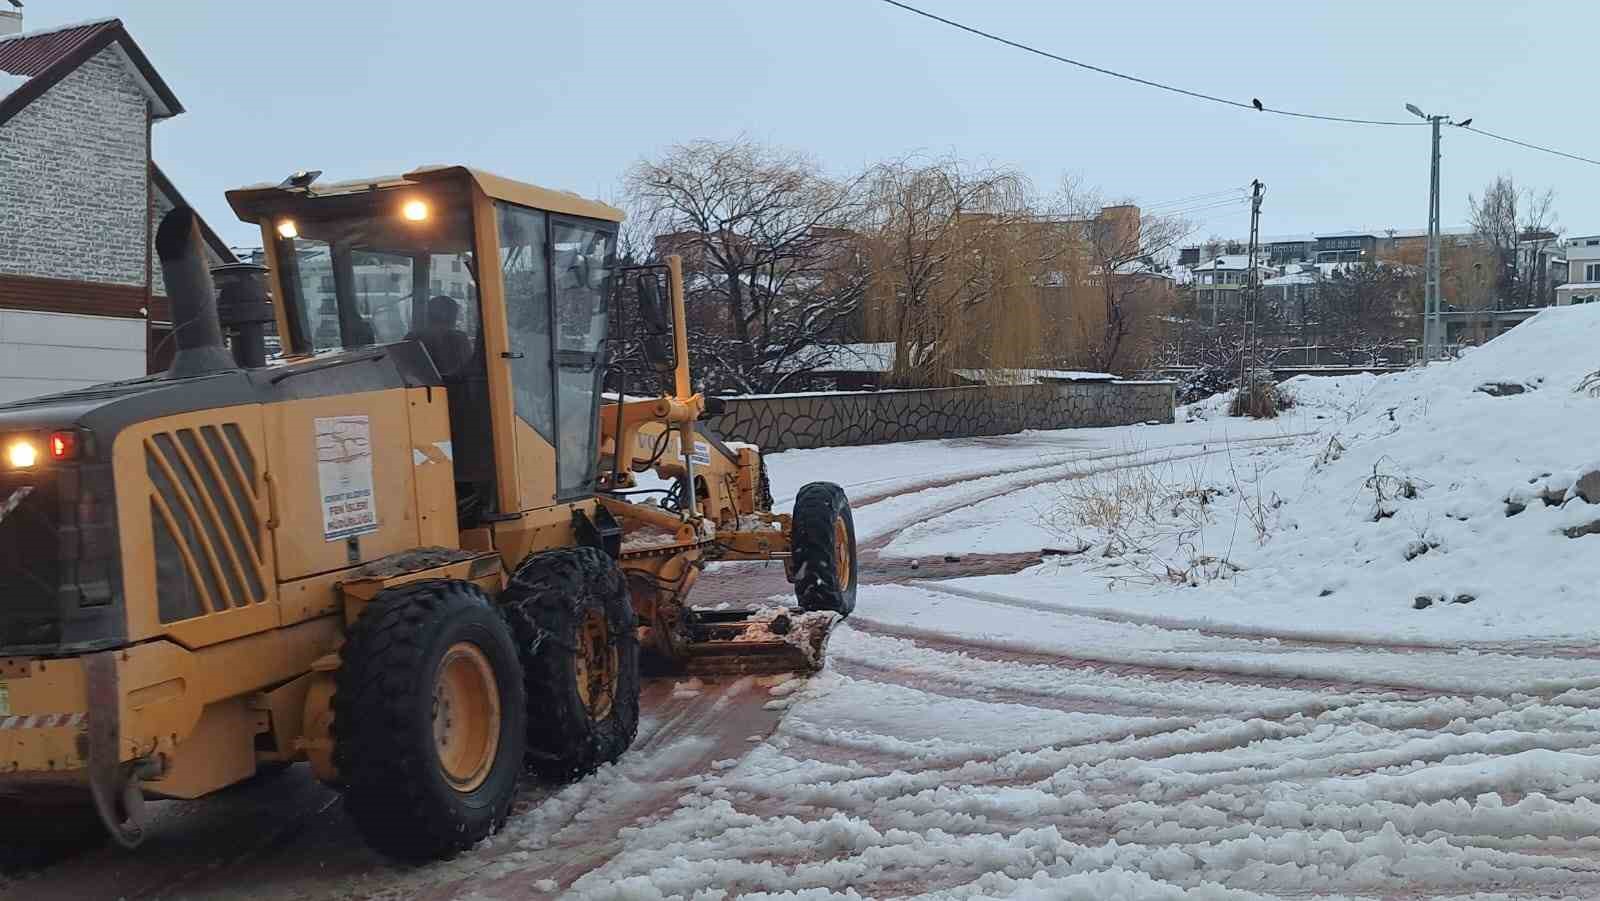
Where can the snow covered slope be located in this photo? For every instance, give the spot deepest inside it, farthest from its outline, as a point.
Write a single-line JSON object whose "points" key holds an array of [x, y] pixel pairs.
{"points": [[1423, 509]]}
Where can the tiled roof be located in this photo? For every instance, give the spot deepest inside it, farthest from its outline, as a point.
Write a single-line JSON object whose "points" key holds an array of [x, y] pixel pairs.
{"points": [[46, 56]]}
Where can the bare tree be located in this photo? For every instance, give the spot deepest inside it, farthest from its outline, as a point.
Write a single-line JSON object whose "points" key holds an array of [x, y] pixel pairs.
{"points": [[771, 254], [1365, 310], [1517, 225], [1128, 255], [957, 254], [1536, 232], [1494, 220]]}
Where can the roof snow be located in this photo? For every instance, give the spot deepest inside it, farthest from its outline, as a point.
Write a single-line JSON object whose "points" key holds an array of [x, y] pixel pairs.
{"points": [[1226, 261], [1293, 278], [866, 357], [1030, 376], [9, 83], [37, 32]]}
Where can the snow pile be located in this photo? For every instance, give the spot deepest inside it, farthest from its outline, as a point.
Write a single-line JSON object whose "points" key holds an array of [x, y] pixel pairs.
{"points": [[1446, 503]]}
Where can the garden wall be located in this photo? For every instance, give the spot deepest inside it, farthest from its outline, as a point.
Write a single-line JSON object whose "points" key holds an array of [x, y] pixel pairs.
{"points": [[785, 422]]}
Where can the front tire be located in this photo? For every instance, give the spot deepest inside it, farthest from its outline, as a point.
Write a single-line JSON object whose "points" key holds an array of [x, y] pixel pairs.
{"points": [[823, 544], [573, 620], [429, 720]]}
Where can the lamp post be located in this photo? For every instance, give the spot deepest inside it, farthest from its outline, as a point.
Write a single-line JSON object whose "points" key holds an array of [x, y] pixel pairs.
{"points": [[1432, 332]]}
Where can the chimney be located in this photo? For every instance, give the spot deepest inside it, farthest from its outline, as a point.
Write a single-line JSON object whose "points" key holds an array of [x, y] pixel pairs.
{"points": [[10, 17]]}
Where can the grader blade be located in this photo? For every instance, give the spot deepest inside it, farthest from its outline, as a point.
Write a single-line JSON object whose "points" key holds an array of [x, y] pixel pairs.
{"points": [[748, 642]]}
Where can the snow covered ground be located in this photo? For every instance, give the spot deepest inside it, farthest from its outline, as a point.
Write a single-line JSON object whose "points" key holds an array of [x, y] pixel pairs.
{"points": [[1415, 489], [1229, 691]]}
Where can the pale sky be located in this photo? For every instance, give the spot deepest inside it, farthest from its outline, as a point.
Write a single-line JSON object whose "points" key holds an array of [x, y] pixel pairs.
{"points": [[568, 94]]}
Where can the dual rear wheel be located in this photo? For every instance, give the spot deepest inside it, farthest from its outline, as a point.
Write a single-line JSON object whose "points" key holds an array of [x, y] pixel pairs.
{"points": [[444, 698]]}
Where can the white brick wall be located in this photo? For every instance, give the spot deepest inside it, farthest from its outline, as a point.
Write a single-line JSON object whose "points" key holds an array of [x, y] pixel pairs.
{"points": [[41, 353], [73, 195], [160, 205]]}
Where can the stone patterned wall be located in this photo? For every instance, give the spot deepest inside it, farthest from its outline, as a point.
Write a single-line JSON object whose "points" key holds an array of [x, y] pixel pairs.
{"points": [[73, 195], [160, 205], [836, 419]]}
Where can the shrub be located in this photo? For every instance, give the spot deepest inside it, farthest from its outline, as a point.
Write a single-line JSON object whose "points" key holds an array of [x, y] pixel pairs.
{"points": [[1261, 398]]}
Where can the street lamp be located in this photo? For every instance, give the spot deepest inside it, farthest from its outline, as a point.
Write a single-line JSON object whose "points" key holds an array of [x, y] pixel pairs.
{"points": [[1432, 336]]}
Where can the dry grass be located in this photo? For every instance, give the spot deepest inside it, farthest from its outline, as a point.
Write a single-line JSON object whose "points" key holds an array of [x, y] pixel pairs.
{"points": [[1145, 524], [1260, 399], [1590, 384], [1388, 486]]}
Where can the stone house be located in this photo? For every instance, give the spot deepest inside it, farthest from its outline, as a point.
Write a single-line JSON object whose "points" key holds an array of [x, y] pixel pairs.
{"points": [[81, 299]]}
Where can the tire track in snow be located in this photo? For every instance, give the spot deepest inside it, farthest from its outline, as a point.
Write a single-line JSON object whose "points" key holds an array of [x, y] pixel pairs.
{"points": [[950, 476], [938, 502], [1284, 637], [1231, 797], [1177, 670]]}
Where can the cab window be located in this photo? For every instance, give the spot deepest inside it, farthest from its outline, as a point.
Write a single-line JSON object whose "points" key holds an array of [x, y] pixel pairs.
{"points": [[376, 275]]}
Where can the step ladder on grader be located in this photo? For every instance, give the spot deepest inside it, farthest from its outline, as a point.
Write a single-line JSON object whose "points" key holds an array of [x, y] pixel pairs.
{"points": [[416, 548]]}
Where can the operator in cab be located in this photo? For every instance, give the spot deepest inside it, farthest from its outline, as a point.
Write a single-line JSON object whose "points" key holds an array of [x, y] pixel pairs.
{"points": [[441, 334]]}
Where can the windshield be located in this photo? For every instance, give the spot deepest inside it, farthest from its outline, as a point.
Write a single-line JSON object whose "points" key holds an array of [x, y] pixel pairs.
{"points": [[381, 267]]}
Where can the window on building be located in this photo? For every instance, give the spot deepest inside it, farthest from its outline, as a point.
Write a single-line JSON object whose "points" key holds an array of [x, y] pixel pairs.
{"points": [[437, 286], [455, 265], [1591, 272]]}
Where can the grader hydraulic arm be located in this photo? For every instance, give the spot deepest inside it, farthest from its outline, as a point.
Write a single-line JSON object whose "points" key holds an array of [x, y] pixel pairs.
{"points": [[717, 507]]}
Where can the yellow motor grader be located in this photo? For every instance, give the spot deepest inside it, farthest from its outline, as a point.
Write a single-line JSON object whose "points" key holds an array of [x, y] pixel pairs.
{"points": [[414, 551]]}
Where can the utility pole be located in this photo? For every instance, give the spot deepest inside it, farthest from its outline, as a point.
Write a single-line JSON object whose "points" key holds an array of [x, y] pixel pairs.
{"points": [[1252, 284], [1431, 339], [1432, 327]]}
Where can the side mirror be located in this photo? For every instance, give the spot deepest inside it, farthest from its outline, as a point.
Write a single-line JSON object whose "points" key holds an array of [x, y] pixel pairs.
{"points": [[656, 337]]}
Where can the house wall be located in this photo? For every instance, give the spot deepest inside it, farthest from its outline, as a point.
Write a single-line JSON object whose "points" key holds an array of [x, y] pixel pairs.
{"points": [[1580, 256], [785, 422], [73, 170], [34, 345], [160, 205]]}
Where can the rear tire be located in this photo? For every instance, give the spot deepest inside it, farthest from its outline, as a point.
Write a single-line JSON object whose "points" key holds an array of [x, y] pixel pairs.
{"points": [[823, 543], [576, 634], [429, 720]]}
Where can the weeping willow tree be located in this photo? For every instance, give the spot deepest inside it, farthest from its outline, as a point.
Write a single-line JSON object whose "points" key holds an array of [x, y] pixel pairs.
{"points": [[961, 266]]}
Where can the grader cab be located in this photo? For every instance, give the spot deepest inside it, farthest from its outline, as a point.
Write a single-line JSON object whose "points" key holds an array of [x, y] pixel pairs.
{"points": [[417, 551]]}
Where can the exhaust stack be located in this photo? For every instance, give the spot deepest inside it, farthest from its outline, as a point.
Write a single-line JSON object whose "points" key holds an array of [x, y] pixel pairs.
{"points": [[195, 328]]}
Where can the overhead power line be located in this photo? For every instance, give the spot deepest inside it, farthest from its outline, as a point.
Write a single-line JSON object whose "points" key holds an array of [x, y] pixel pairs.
{"points": [[1570, 156], [1230, 195], [1252, 105]]}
